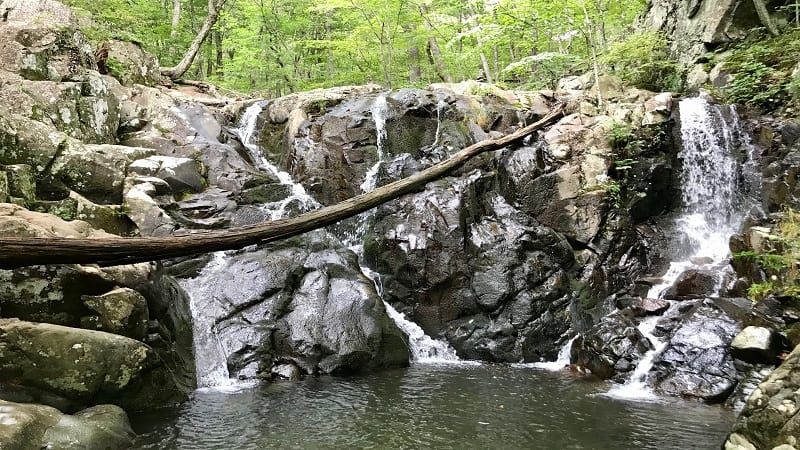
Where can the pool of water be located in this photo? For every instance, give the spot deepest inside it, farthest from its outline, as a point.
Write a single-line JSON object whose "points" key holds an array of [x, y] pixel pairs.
{"points": [[429, 406]]}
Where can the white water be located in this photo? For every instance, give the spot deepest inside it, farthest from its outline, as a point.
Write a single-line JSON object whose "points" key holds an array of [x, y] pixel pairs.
{"points": [[380, 110], [277, 210], [561, 362], [712, 210], [209, 352]]}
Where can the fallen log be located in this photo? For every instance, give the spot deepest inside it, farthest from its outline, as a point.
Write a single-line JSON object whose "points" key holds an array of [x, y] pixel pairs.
{"points": [[26, 251]]}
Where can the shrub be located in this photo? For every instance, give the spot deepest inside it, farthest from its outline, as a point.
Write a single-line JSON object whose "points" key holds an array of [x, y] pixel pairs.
{"points": [[643, 61], [762, 70]]}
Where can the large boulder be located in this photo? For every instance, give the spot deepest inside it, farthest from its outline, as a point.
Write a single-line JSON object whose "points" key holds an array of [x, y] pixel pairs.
{"points": [[136, 300], [303, 300], [770, 417], [129, 63], [697, 360], [465, 265], [33, 427], [77, 367], [757, 345]]}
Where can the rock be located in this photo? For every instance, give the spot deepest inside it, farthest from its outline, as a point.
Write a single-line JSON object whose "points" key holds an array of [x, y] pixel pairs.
{"points": [[302, 300], [697, 361], [21, 181], [120, 311], [444, 260], [657, 109], [696, 27], [693, 283], [27, 426], [611, 349], [756, 345], [180, 173], [286, 371], [4, 189], [769, 418], [696, 78], [129, 63], [18, 221], [79, 366], [40, 42], [144, 210], [97, 172]]}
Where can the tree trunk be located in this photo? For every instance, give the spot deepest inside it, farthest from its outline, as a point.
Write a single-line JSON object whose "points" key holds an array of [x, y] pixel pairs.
{"points": [[214, 8], [764, 17], [434, 52], [20, 251], [176, 18], [414, 71], [487, 72]]}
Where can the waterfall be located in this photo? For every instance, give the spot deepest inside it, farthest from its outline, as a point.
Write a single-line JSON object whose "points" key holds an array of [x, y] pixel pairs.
{"points": [[561, 362], [713, 207], [379, 111], [276, 210]]}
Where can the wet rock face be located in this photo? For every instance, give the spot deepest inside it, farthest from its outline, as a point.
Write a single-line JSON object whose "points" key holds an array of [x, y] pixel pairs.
{"points": [[36, 426], [467, 266], [769, 418], [303, 301], [697, 360], [693, 284], [611, 349]]}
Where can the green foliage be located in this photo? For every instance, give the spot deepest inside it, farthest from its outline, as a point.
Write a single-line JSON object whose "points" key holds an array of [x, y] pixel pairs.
{"points": [[762, 69], [620, 135], [781, 263], [643, 60]]}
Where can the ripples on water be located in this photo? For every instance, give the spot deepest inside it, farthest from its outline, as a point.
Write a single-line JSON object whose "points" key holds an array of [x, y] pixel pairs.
{"points": [[442, 407]]}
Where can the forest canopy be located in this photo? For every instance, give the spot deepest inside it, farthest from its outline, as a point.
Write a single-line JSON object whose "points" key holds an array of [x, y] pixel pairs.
{"points": [[272, 47]]}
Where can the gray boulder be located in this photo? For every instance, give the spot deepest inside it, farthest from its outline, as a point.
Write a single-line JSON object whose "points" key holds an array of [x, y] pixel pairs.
{"points": [[129, 63], [33, 427], [697, 360], [469, 267], [304, 301], [756, 345]]}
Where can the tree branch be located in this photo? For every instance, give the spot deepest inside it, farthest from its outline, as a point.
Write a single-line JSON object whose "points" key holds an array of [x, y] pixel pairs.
{"points": [[23, 251]]}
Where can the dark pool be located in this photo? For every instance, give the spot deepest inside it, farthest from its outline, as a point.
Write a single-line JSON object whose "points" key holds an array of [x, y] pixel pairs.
{"points": [[458, 407]]}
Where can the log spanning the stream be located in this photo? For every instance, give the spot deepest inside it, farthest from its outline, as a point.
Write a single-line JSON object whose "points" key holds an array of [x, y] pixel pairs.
{"points": [[26, 251]]}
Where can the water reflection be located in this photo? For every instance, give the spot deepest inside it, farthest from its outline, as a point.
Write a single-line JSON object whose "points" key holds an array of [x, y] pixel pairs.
{"points": [[432, 407]]}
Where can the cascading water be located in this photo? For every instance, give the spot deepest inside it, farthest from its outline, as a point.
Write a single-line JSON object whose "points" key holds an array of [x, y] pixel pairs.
{"points": [[379, 111], [210, 352], [713, 207], [277, 210], [422, 347]]}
